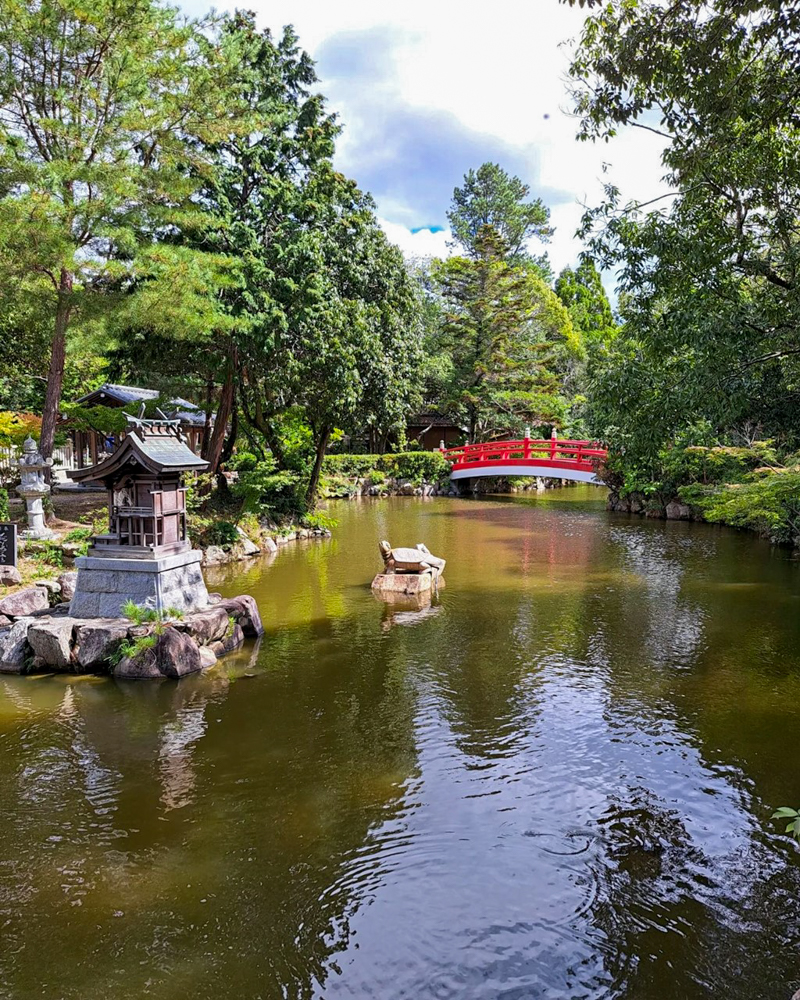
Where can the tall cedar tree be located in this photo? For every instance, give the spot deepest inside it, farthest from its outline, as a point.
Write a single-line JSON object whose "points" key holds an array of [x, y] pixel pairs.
{"points": [[507, 334], [98, 104]]}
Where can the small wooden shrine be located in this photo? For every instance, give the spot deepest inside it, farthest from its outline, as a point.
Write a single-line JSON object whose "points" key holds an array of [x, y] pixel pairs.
{"points": [[146, 495]]}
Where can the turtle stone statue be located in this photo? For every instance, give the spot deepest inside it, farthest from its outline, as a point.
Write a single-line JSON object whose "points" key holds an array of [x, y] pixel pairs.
{"points": [[418, 560]]}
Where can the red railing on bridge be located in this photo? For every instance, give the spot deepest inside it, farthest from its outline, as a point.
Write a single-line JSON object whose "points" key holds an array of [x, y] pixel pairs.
{"points": [[547, 453]]}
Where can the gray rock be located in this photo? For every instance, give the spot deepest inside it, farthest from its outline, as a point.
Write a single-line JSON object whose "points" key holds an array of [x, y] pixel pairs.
{"points": [[13, 647], [23, 602], [406, 489], [142, 667], [72, 549], [174, 655], [205, 626], [51, 641], [67, 582], [269, 545], [4, 621], [96, 641], [177, 655], [51, 586], [207, 657], [677, 511], [248, 547], [245, 610], [9, 576], [214, 555], [229, 643]]}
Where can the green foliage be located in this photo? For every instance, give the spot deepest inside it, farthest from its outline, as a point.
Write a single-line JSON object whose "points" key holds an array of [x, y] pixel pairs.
{"points": [[4, 509], [318, 519], [131, 648], [107, 110], [490, 197], [709, 273], [81, 536], [140, 614], [509, 338], [416, 466], [581, 290], [793, 816], [222, 533], [412, 466], [268, 491], [768, 502], [108, 419]]}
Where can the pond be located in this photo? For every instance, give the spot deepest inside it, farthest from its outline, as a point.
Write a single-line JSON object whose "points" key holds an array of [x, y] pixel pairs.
{"points": [[554, 782]]}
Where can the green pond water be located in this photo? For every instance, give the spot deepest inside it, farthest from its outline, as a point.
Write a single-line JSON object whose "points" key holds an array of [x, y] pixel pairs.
{"points": [[553, 782]]}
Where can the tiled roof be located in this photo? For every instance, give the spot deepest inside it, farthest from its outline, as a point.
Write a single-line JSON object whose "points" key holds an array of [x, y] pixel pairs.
{"points": [[186, 411]]}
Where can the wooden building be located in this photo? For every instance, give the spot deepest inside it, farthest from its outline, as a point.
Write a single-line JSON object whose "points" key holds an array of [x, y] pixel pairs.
{"points": [[430, 429], [91, 447]]}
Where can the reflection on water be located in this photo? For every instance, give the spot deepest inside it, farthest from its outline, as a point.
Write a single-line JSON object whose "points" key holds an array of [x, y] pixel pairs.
{"points": [[553, 780]]}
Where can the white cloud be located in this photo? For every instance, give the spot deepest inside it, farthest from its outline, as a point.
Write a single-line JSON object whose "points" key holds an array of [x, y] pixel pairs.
{"points": [[488, 83]]}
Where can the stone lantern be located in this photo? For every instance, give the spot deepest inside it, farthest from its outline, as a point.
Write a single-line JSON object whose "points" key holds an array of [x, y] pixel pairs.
{"points": [[33, 488]]}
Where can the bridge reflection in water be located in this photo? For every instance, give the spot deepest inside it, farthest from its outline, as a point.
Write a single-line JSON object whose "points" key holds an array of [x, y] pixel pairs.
{"points": [[548, 457]]}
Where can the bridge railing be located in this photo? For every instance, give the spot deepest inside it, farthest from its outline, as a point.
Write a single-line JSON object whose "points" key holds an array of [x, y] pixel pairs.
{"points": [[585, 454]]}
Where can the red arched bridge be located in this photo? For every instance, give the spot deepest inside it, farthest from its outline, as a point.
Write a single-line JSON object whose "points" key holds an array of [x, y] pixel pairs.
{"points": [[550, 457]]}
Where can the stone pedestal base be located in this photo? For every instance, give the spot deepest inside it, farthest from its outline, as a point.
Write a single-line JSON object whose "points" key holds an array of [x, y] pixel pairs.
{"points": [[105, 584], [405, 583]]}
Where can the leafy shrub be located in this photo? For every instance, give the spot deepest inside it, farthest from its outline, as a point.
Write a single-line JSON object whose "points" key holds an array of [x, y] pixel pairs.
{"points": [[351, 466], [768, 502], [4, 512], [266, 490], [222, 533], [414, 466], [319, 519], [131, 648], [242, 461]]}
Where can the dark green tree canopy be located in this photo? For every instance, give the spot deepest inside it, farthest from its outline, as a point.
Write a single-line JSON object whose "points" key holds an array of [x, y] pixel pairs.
{"points": [[709, 274], [491, 197]]}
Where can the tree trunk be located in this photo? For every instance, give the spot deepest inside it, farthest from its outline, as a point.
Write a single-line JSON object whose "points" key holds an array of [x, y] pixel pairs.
{"points": [[207, 424], [55, 375], [226, 403], [313, 486]]}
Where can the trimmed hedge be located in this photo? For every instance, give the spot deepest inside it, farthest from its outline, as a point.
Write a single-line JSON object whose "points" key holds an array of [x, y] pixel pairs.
{"points": [[411, 466]]}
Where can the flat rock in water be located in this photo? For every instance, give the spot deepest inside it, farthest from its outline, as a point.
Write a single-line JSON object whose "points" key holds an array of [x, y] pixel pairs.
{"points": [[404, 583], [14, 646], [51, 639], [23, 602], [97, 639], [207, 657], [245, 610], [206, 626]]}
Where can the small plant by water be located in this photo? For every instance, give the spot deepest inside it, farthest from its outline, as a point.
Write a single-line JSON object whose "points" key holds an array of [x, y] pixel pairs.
{"points": [[793, 815], [140, 614]]}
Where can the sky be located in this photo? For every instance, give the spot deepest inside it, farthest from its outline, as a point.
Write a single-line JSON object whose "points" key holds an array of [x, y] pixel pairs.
{"points": [[426, 89]]}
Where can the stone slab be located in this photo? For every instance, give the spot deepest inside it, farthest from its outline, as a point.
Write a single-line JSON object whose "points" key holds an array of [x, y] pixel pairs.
{"points": [[405, 583], [51, 639], [140, 565], [8, 543], [104, 585]]}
